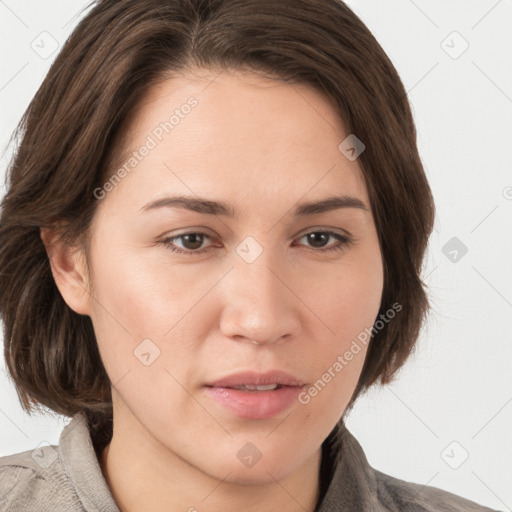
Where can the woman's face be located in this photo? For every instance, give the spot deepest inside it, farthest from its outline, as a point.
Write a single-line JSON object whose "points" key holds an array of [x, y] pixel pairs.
{"points": [[170, 324]]}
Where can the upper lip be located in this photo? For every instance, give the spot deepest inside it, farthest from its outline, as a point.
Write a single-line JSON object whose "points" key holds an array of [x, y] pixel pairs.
{"points": [[253, 378]]}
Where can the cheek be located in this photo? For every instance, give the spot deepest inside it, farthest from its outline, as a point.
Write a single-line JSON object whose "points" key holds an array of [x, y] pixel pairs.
{"points": [[348, 305], [326, 399], [135, 311], [147, 313], [348, 301], [349, 311], [138, 295]]}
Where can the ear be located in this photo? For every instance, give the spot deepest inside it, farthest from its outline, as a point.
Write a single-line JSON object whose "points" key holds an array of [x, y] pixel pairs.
{"points": [[69, 271]]}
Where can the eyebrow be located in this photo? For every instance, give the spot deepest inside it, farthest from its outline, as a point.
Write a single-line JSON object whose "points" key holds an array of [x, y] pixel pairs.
{"points": [[208, 207]]}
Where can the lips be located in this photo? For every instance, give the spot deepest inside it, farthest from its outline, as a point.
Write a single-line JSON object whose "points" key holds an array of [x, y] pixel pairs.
{"points": [[250, 381], [255, 396], [266, 387]]}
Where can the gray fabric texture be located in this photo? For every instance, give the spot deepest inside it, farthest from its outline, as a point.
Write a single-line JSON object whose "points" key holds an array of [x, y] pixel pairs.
{"points": [[67, 478]]}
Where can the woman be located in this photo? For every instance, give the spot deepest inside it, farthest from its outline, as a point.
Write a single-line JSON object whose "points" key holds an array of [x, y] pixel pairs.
{"points": [[211, 246]]}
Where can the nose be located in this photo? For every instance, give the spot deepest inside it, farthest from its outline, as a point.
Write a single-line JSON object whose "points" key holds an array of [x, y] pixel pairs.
{"points": [[259, 304]]}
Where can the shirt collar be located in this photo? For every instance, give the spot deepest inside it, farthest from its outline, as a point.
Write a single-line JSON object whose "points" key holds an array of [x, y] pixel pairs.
{"points": [[82, 466], [351, 482], [347, 480]]}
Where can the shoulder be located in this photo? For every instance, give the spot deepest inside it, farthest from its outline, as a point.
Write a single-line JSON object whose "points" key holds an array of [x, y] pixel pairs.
{"points": [[356, 485], [36, 480], [396, 494]]}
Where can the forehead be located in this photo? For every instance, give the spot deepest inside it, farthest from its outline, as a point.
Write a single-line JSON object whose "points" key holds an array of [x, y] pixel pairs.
{"points": [[237, 133]]}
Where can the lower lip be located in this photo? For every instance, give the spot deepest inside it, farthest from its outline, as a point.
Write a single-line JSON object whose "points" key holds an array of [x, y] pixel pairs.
{"points": [[256, 405]]}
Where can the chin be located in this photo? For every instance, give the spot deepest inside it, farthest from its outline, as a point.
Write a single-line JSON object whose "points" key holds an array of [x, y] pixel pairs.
{"points": [[238, 468]]}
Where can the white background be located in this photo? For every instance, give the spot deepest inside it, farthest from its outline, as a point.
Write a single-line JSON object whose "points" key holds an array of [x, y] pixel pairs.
{"points": [[458, 385]]}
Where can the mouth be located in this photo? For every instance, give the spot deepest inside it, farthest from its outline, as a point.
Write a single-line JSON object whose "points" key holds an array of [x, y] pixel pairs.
{"points": [[248, 387], [255, 396], [253, 381]]}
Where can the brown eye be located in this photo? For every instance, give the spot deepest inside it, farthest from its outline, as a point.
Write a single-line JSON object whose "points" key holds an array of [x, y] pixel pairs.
{"points": [[319, 239], [191, 243]]}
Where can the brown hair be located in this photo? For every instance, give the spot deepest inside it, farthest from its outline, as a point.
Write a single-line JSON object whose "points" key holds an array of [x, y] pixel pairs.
{"points": [[70, 133]]}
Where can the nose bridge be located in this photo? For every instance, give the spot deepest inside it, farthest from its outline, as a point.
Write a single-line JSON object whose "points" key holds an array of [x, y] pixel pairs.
{"points": [[258, 305]]}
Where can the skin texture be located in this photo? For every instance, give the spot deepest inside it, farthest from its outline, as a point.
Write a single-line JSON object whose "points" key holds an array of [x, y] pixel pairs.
{"points": [[262, 146]]}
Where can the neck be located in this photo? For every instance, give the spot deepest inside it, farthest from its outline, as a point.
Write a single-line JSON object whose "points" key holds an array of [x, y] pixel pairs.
{"points": [[150, 477]]}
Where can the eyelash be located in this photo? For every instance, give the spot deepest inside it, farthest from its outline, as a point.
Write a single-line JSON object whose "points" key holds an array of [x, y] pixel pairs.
{"points": [[167, 242]]}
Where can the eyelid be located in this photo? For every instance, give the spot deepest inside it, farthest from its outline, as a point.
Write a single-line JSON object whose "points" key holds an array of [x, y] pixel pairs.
{"points": [[202, 230], [207, 232], [345, 240], [323, 229]]}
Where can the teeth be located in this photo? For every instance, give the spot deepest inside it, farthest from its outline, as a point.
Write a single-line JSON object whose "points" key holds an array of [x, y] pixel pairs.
{"points": [[247, 387]]}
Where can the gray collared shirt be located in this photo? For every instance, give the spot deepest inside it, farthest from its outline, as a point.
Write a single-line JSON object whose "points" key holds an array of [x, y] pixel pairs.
{"points": [[68, 478]]}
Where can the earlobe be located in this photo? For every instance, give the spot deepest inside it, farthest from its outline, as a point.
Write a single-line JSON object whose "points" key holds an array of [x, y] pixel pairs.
{"points": [[69, 271]]}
